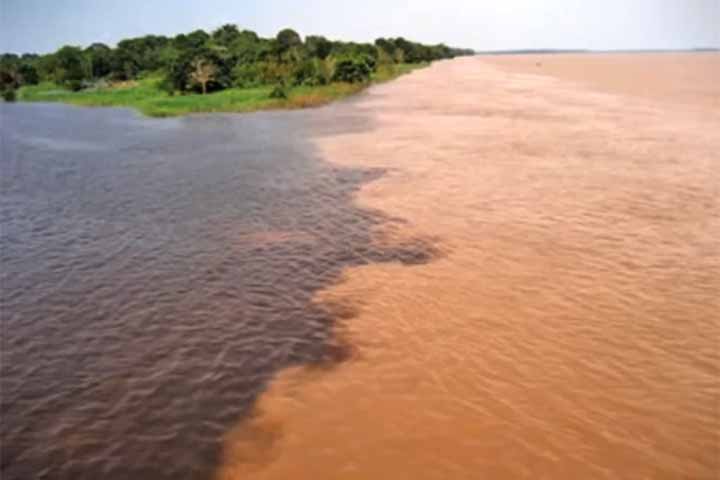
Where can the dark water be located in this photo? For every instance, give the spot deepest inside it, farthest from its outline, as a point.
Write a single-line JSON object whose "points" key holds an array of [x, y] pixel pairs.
{"points": [[157, 273]]}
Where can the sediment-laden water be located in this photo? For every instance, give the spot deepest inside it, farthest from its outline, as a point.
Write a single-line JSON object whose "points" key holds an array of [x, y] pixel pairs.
{"points": [[156, 274], [570, 325]]}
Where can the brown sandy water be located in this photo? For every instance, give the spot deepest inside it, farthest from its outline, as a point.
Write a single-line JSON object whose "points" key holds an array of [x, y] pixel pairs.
{"points": [[570, 325], [690, 79]]}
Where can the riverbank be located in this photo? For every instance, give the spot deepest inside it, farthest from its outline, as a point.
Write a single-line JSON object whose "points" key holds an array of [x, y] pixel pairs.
{"points": [[146, 96]]}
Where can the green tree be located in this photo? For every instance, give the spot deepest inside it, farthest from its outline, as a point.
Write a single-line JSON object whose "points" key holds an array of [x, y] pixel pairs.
{"points": [[287, 39], [317, 46], [203, 72], [134, 55], [197, 39], [28, 74], [45, 66], [353, 69], [246, 48], [99, 60], [226, 35], [70, 67], [9, 78], [385, 45], [9, 72], [200, 70], [124, 62], [246, 75], [228, 56]]}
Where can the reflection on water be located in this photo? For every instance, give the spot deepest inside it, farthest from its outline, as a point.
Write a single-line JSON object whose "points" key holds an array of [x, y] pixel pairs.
{"points": [[156, 274]]}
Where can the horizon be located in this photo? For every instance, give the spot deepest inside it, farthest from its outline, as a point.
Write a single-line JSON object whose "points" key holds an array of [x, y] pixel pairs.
{"points": [[668, 25]]}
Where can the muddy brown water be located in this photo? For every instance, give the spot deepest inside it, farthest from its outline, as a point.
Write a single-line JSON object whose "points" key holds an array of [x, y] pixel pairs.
{"points": [[477, 271], [569, 326]]}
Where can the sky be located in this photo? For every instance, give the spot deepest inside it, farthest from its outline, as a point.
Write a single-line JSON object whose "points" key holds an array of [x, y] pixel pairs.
{"points": [[43, 26]]}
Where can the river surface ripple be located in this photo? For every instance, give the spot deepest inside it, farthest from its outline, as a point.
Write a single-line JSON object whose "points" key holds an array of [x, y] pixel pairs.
{"points": [[570, 325], [157, 273]]}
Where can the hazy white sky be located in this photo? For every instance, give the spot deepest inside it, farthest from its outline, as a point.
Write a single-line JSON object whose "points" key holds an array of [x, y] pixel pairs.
{"points": [[44, 25]]}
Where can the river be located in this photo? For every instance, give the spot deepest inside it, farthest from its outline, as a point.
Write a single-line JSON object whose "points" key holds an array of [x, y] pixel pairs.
{"points": [[496, 267], [156, 274]]}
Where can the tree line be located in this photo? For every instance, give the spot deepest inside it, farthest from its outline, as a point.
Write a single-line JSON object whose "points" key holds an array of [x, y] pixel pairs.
{"points": [[228, 57]]}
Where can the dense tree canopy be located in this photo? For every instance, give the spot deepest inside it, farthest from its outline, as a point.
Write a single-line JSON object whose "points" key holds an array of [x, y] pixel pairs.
{"points": [[227, 57], [287, 39], [70, 69], [98, 58]]}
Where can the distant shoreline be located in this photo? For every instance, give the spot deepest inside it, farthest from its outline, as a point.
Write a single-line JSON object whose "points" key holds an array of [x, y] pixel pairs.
{"points": [[550, 51]]}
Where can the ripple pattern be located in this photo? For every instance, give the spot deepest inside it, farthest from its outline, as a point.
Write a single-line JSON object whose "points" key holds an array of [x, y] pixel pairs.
{"points": [[157, 273]]}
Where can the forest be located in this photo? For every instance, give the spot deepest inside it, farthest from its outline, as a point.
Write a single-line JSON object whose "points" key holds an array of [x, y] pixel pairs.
{"points": [[201, 62]]}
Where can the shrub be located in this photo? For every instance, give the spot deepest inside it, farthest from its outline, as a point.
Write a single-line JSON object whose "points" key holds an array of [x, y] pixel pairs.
{"points": [[246, 75], [166, 85], [279, 92], [353, 69], [275, 72], [308, 73], [74, 85], [326, 70], [260, 73], [9, 95]]}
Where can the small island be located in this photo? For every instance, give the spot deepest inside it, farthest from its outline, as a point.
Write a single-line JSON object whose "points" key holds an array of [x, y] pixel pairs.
{"points": [[228, 70]]}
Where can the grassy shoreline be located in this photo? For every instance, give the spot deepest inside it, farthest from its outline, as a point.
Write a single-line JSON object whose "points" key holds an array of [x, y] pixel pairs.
{"points": [[146, 97]]}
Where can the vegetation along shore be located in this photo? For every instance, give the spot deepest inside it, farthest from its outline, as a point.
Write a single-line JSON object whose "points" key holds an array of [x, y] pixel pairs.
{"points": [[228, 70]]}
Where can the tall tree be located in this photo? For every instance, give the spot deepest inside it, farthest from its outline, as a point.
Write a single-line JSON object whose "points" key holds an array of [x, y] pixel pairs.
{"points": [[226, 35], [99, 60], [70, 67], [203, 72], [288, 39], [318, 46], [28, 74]]}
